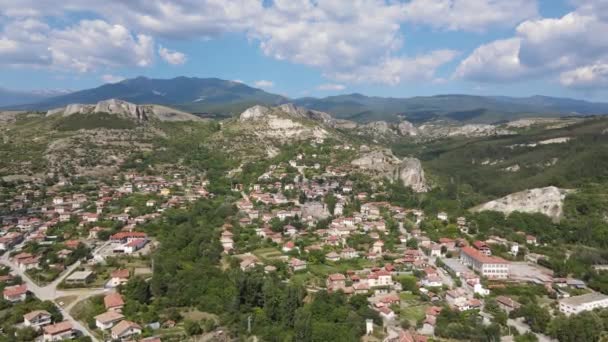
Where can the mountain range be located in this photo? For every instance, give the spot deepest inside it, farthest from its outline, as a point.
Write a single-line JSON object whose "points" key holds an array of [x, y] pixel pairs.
{"points": [[213, 97]]}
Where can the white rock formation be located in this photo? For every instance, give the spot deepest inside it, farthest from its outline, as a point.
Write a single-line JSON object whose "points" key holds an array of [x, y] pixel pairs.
{"points": [[438, 130], [407, 128], [127, 110], [281, 123], [253, 113], [384, 164], [548, 201]]}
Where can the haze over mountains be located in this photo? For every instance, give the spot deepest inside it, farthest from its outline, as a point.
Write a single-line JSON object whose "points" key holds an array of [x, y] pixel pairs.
{"points": [[221, 98]]}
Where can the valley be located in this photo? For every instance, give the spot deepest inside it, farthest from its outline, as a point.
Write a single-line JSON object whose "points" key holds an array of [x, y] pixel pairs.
{"points": [[283, 222]]}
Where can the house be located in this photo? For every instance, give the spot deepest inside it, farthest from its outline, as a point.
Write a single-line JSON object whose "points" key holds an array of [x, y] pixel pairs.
{"points": [[131, 246], [108, 319], [507, 304], [37, 319], [14, 294], [125, 237], [380, 278], [431, 280], [297, 264], [335, 282], [443, 216], [58, 332], [113, 302], [531, 240], [118, 277], [125, 330], [377, 247], [332, 256], [290, 245], [487, 266], [586, 302], [482, 247], [349, 253]]}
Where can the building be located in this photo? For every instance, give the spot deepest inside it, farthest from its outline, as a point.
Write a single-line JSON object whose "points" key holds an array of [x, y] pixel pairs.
{"points": [[125, 330], [14, 294], [507, 304], [482, 247], [118, 277], [487, 266], [108, 319], [336, 282], [79, 278], [37, 319], [58, 332], [297, 264], [586, 302], [114, 302]]}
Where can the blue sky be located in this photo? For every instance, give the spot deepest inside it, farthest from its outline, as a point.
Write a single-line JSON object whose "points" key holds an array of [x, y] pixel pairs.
{"points": [[298, 48]]}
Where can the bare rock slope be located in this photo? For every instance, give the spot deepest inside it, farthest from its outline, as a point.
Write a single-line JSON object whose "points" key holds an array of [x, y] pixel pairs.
{"points": [[548, 201], [384, 164], [127, 110]]}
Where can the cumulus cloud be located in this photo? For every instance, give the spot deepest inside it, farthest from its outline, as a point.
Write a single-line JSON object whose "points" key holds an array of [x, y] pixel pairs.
{"points": [[586, 77], [342, 38], [470, 15], [172, 57], [85, 46], [567, 47], [264, 84], [395, 70], [331, 87], [109, 78]]}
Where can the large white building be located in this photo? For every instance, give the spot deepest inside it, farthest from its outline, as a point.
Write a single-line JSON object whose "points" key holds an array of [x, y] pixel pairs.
{"points": [[487, 266], [578, 304]]}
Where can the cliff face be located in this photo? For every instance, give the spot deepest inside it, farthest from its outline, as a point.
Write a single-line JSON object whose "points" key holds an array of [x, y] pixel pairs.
{"points": [[383, 163], [139, 113], [548, 201]]}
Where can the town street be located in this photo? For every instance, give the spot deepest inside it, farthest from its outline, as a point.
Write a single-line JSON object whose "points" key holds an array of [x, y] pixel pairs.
{"points": [[50, 292]]}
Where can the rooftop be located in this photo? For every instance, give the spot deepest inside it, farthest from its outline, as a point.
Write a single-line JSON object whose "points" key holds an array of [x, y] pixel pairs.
{"points": [[584, 299]]}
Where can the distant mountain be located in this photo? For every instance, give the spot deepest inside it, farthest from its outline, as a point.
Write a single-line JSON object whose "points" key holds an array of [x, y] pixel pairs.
{"points": [[214, 97], [14, 97], [198, 95], [461, 108]]}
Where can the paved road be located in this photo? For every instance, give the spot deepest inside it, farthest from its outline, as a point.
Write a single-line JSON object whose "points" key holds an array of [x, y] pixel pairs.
{"points": [[523, 328], [50, 292]]}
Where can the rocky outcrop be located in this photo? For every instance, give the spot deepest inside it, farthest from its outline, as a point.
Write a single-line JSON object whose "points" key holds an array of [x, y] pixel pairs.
{"points": [[283, 123], [439, 130], [407, 128], [411, 174], [254, 113], [548, 201], [126, 109], [384, 164]]}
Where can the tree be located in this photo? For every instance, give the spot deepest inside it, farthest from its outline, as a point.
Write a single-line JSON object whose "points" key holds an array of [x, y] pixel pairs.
{"points": [[527, 337], [536, 317], [192, 328], [330, 201]]}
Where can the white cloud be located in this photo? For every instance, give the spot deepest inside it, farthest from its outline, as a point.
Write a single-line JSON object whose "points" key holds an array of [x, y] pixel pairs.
{"points": [[496, 61], [172, 57], [264, 84], [331, 87], [567, 48], [470, 15], [587, 77], [395, 70], [85, 46], [109, 78], [339, 37]]}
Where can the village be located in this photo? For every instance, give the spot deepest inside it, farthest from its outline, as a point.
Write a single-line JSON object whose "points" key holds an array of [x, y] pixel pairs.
{"points": [[304, 219]]}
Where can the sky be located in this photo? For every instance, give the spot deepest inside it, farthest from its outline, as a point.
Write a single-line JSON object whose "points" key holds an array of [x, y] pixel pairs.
{"points": [[297, 48]]}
